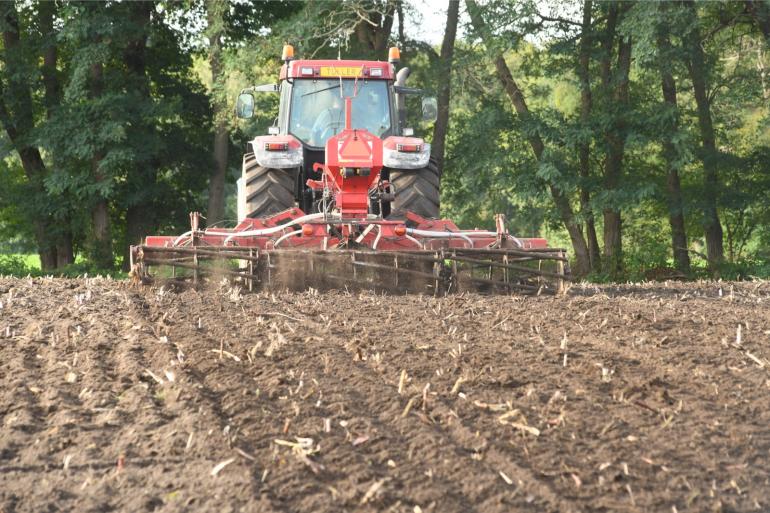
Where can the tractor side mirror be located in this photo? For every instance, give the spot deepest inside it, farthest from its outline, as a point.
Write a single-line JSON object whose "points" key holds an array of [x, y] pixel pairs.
{"points": [[429, 109], [244, 106]]}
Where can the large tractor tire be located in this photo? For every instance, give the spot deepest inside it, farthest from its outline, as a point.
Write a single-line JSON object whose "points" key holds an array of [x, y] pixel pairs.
{"points": [[268, 190], [417, 190]]}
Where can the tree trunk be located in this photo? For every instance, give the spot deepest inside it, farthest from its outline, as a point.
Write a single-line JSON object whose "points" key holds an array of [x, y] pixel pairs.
{"points": [[101, 243], [19, 124], [141, 214], [383, 34], [763, 72], [374, 31], [612, 231], [101, 249], [608, 41], [35, 170], [584, 147], [712, 226], [676, 218], [673, 186], [50, 55], [65, 254], [579, 246], [215, 16], [615, 88], [136, 228], [52, 98], [445, 64], [216, 208], [401, 19], [613, 164]]}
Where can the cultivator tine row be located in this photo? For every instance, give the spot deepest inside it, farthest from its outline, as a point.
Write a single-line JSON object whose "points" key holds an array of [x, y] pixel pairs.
{"points": [[435, 272]]}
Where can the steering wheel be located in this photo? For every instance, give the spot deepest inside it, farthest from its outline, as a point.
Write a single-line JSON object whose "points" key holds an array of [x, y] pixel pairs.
{"points": [[327, 124]]}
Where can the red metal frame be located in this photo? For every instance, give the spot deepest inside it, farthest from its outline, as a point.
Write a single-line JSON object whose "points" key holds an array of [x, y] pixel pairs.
{"points": [[352, 168], [293, 69], [328, 234]]}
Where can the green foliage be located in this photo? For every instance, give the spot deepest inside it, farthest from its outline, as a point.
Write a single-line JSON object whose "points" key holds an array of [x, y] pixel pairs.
{"points": [[541, 46], [142, 140], [22, 265], [16, 265]]}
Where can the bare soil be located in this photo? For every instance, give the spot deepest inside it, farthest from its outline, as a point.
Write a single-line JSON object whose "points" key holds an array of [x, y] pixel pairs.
{"points": [[634, 398]]}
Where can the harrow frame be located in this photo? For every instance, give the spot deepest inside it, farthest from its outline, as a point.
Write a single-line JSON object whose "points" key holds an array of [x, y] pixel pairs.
{"points": [[291, 250]]}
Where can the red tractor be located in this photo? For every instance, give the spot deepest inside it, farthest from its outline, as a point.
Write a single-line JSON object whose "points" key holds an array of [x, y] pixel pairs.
{"points": [[311, 111], [341, 194]]}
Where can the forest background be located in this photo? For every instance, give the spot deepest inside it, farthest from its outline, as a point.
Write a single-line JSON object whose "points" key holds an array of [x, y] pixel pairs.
{"points": [[634, 133]]}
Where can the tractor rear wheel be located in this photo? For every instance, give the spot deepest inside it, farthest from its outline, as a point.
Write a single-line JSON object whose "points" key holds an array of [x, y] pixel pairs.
{"points": [[268, 190], [417, 190]]}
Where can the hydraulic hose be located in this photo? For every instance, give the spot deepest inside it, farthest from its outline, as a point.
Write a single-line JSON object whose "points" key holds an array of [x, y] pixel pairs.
{"points": [[419, 244], [439, 235], [284, 237], [495, 234], [274, 229], [466, 236]]}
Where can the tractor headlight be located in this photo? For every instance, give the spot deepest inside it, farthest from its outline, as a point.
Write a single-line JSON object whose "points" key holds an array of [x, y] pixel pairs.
{"points": [[278, 151], [406, 156]]}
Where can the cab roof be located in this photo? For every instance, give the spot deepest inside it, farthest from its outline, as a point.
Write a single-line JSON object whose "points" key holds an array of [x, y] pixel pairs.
{"points": [[332, 68]]}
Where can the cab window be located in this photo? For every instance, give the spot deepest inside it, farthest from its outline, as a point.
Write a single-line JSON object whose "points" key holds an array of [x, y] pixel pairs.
{"points": [[318, 108]]}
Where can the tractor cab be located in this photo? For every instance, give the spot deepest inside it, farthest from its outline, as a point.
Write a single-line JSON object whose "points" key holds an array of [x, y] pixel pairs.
{"points": [[317, 108], [312, 110]]}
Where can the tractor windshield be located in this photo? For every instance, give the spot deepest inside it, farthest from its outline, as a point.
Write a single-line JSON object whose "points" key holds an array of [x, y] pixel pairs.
{"points": [[318, 108]]}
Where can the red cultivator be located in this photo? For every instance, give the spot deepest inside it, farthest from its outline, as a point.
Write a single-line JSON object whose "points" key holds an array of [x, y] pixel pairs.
{"points": [[356, 239], [297, 251]]}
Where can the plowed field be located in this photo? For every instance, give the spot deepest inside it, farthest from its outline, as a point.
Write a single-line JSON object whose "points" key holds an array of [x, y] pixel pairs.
{"points": [[634, 398]]}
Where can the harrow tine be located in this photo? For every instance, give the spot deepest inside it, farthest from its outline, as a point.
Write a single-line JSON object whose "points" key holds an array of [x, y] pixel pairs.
{"points": [[228, 252], [199, 269], [441, 271], [502, 265]]}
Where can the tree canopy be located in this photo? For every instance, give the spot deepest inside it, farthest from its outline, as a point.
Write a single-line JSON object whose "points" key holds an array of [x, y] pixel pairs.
{"points": [[635, 133]]}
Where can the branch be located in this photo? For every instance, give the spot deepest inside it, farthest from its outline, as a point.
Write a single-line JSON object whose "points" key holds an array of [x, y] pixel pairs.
{"points": [[509, 84], [423, 47], [697, 253], [558, 20], [723, 24], [400, 12], [362, 15]]}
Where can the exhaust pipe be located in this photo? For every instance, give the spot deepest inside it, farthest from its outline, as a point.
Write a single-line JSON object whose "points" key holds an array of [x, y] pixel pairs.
{"points": [[401, 77]]}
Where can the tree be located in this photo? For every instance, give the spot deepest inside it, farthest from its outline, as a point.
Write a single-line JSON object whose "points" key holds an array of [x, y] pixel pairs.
{"points": [[670, 151], [517, 99], [615, 85], [229, 25], [445, 66], [584, 146], [215, 16], [127, 134], [759, 11], [709, 155], [101, 243], [142, 175], [65, 253], [374, 23], [17, 118]]}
